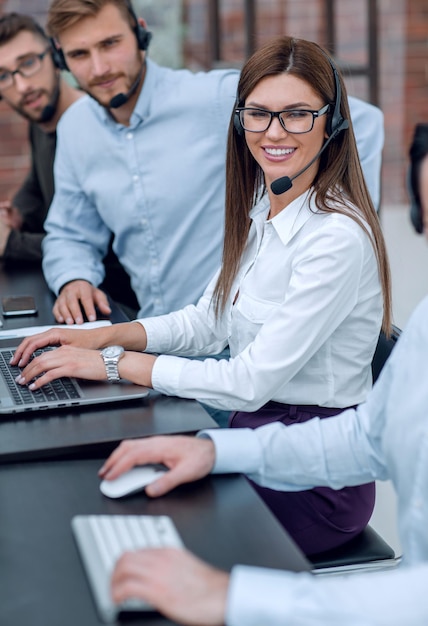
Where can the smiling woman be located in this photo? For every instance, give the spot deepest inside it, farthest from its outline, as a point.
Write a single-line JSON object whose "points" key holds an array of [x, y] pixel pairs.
{"points": [[283, 142], [301, 293]]}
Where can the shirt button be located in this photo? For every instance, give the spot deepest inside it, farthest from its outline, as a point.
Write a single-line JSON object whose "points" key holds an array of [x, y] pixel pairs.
{"points": [[129, 135], [135, 178]]}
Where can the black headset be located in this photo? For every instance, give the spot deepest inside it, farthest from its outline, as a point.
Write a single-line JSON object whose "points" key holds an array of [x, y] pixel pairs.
{"points": [[417, 152], [143, 39], [335, 122]]}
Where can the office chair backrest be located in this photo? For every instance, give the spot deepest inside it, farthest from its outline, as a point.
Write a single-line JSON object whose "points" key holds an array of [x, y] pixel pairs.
{"points": [[383, 350]]}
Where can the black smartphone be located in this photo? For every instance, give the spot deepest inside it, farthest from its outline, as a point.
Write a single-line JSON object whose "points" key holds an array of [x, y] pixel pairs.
{"points": [[18, 305]]}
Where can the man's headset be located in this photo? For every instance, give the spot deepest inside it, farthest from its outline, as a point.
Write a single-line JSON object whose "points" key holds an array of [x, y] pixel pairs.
{"points": [[418, 151], [143, 39], [335, 122]]}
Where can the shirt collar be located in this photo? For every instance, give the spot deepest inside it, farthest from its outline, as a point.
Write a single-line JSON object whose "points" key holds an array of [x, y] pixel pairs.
{"points": [[290, 220]]}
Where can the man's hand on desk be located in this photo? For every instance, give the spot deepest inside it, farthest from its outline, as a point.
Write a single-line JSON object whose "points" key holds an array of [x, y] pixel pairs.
{"points": [[187, 458], [76, 295], [178, 584]]}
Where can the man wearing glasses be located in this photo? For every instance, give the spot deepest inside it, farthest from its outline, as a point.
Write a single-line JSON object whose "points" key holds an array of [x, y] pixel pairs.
{"points": [[32, 85]]}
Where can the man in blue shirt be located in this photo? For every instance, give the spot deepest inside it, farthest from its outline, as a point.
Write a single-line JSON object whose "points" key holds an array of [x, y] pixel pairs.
{"points": [[144, 159]]}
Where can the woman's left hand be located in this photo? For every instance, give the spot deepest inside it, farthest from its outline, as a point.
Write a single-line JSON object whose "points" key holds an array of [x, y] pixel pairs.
{"points": [[60, 362], [83, 363]]}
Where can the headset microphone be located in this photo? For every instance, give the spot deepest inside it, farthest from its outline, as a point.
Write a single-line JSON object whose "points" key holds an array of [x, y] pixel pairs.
{"points": [[283, 184], [122, 98], [335, 124], [47, 113]]}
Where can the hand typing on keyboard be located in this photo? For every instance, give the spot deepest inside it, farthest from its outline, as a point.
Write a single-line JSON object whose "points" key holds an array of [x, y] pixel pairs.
{"points": [[187, 459], [176, 583], [78, 355]]}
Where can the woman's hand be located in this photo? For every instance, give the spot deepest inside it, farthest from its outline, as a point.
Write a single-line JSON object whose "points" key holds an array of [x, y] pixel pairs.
{"points": [[68, 360], [187, 458], [54, 337], [61, 362], [130, 335]]}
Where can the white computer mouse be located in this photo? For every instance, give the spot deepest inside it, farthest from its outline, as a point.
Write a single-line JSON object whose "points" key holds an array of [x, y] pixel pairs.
{"points": [[135, 480]]}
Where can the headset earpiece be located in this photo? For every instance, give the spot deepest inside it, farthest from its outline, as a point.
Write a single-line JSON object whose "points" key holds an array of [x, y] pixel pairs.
{"points": [[415, 203], [142, 34], [58, 56], [237, 124], [236, 119], [143, 37], [335, 122]]}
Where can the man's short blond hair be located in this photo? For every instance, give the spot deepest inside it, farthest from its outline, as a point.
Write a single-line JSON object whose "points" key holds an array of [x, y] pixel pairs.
{"points": [[65, 13]]}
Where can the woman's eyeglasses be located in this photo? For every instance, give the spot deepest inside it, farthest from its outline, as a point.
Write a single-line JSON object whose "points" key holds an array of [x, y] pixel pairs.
{"points": [[296, 121]]}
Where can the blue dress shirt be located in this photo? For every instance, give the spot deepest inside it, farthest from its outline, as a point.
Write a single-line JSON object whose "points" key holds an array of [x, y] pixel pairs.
{"points": [[385, 438], [158, 185]]}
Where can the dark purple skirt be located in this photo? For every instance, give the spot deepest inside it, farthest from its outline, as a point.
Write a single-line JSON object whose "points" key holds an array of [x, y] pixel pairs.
{"points": [[318, 519]]}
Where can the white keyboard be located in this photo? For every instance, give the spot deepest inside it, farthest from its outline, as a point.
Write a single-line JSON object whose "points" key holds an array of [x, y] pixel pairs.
{"points": [[101, 540]]}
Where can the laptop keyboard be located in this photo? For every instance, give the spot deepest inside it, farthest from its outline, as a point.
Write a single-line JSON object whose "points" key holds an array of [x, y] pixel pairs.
{"points": [[61, 389], [101, 539]]}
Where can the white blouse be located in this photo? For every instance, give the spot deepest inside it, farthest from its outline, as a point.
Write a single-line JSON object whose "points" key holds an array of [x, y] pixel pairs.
{"points": [[303, 327]]}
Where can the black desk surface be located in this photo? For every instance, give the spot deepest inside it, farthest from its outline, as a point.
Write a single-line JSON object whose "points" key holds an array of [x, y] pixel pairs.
{"points": [[43, 583], [83, 431], [28, 280], [96, 432]]}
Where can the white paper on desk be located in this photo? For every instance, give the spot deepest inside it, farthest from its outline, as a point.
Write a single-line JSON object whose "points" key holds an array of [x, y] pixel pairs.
{"points": [[33, 330]]}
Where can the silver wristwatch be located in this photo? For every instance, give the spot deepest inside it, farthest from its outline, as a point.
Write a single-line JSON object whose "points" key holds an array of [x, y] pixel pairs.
{"points": [[111, 356]]}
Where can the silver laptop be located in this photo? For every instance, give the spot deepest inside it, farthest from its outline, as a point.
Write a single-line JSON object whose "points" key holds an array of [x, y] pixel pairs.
{"points": [[61, 393]]}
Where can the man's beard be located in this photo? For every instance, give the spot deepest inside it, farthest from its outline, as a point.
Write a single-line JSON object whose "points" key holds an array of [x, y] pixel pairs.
{"points": [[136, 81]]}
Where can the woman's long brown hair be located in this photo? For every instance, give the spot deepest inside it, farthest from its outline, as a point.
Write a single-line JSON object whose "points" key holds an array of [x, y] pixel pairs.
{"points": [[339, 183]]}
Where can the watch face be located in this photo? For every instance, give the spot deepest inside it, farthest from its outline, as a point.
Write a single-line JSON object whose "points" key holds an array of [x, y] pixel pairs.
{"points": [[112, 351]]}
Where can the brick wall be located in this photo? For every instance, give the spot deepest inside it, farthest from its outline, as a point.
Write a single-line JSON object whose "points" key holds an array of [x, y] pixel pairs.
{"points": [[403, 62], [403, 59]]}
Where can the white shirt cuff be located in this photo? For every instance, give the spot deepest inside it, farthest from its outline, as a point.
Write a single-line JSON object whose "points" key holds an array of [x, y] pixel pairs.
{"points": [[166, 374]]}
